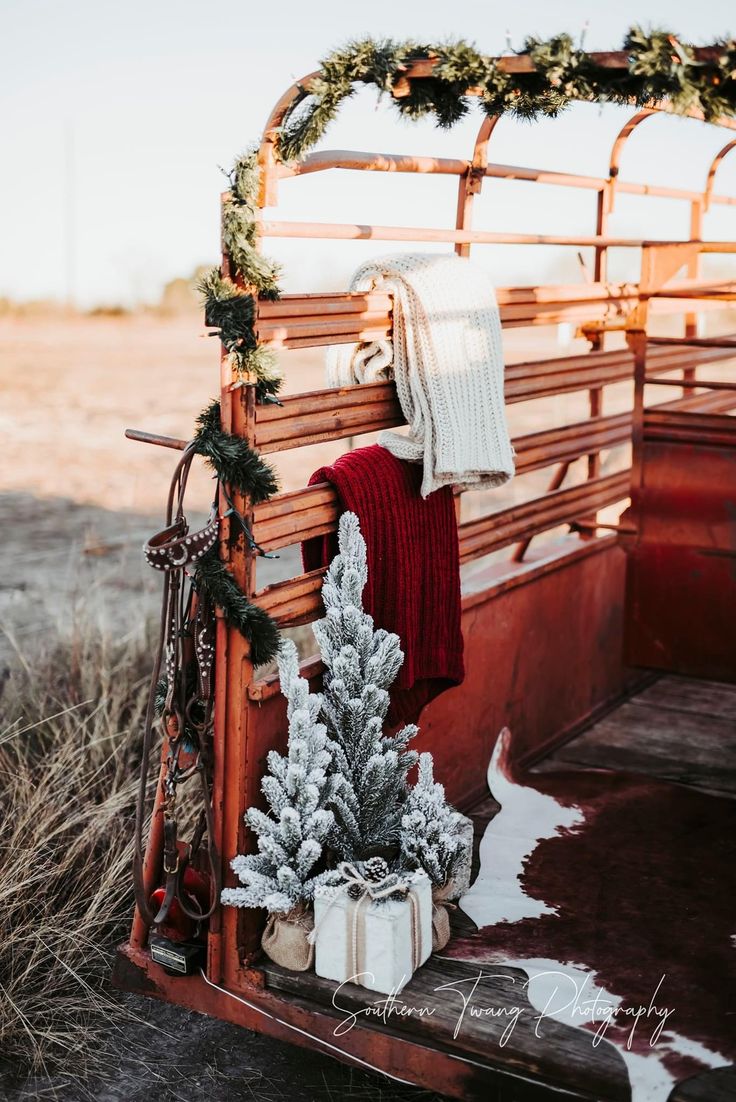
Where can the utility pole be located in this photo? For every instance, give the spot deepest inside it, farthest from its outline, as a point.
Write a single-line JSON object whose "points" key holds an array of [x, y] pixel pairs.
{"points": [[70, 216]]}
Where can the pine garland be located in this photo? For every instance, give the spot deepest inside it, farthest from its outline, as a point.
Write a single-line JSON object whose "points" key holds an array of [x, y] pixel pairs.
{"points": [[660, 67], [228, 308], [214, 579], [232, 459], [231, 310], [242, 469]]}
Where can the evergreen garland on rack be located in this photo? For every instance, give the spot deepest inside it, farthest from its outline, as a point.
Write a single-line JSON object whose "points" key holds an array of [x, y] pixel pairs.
{"points": [[237, 467], [239, 226], [232, 459], [659, 67], [230, 308], [213, 578]]}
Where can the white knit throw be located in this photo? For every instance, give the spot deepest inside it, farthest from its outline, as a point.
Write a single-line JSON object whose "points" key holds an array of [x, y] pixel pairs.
{"points": [[447, 360]]}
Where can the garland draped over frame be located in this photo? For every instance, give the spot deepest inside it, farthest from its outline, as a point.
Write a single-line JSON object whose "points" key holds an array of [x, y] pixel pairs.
{"points": [[659, 67], [238, 467], [231, 308]]}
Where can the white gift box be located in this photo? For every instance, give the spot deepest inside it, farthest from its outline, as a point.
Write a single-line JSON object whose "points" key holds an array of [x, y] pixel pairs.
{"points": [[377, 944]]}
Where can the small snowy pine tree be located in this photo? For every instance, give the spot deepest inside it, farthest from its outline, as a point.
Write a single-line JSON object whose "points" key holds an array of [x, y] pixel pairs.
{"points": [[430, 828], [370, 768], [297, 787]]}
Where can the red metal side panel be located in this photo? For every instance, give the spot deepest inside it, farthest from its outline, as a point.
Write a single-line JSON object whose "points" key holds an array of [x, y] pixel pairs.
{"points": [[681, 583], [542, 655]]}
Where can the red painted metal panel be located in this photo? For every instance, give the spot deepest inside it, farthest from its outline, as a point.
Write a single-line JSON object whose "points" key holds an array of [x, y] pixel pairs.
{"points": [[682, 567], [683, 611], [542, 655]]}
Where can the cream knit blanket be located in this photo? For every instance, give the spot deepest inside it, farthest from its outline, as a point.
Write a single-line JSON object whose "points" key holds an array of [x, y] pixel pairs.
{"points": [[447, 360]]}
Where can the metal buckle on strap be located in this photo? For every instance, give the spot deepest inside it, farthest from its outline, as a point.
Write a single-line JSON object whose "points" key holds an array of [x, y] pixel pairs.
{"points": [[169, 871]]}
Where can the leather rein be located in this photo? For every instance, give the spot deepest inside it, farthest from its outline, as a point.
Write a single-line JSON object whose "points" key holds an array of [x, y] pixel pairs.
{"points": [[181, 703]]}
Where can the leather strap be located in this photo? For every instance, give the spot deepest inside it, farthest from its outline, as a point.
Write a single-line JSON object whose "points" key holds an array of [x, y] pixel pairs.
{"points": [[186, 654], [174, 547]]}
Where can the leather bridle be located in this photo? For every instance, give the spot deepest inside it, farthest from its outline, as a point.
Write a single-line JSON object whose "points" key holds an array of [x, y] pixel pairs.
{"points": [[186, 652]]}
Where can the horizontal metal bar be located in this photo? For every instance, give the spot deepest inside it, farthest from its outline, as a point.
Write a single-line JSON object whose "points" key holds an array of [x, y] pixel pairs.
{"points": [[712, 401], [330, 414], [301, 321], [373, 162], [695, 342], [333, 414], [495, 531], [710, 384], [298, 600], [590, 525], [710, 246], [291, 518], [308, 305], [295, 601], [686, 427], [542, 449], [358, 160], [154, 438], [365, 232]]}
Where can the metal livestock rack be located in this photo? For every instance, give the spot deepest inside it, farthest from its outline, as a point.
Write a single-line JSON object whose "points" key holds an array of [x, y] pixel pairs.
{"points": [[567, 610]]}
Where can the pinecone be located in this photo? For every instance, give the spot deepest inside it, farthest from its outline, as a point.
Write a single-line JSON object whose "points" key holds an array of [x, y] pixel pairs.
{"points": [[375, 869], [355, 891]]}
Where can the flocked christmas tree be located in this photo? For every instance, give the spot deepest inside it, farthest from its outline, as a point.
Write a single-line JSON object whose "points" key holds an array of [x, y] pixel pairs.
{"points": [[291, 838], [370, 768], [341, 792], [432, 832]]}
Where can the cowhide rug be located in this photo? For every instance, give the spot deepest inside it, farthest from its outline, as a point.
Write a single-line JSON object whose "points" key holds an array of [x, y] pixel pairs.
{"points": [[616, 893]]}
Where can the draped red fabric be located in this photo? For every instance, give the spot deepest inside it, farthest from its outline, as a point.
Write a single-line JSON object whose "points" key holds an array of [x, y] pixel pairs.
{"points": [[413, 584]]}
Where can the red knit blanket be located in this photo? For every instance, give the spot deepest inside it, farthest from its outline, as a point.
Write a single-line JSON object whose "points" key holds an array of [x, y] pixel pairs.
{"points": [[413, 568]]}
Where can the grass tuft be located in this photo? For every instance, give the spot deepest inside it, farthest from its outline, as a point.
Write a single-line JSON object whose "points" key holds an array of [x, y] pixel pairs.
{"points": [[70, 725]]}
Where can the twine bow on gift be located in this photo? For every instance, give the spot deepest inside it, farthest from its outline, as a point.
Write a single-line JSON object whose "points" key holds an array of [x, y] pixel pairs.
{"points": [[371, 891], [442, 904]]}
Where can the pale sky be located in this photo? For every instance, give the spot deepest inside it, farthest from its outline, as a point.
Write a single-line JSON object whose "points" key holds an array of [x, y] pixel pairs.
{"points": [[115, 117]]}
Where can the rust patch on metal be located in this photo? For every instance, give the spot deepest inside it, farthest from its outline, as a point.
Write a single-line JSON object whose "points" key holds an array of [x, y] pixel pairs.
{"points": [[127, 976]]}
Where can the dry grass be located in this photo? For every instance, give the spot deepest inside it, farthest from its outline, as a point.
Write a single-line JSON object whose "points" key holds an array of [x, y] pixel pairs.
{"points": [[69, 727]]}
